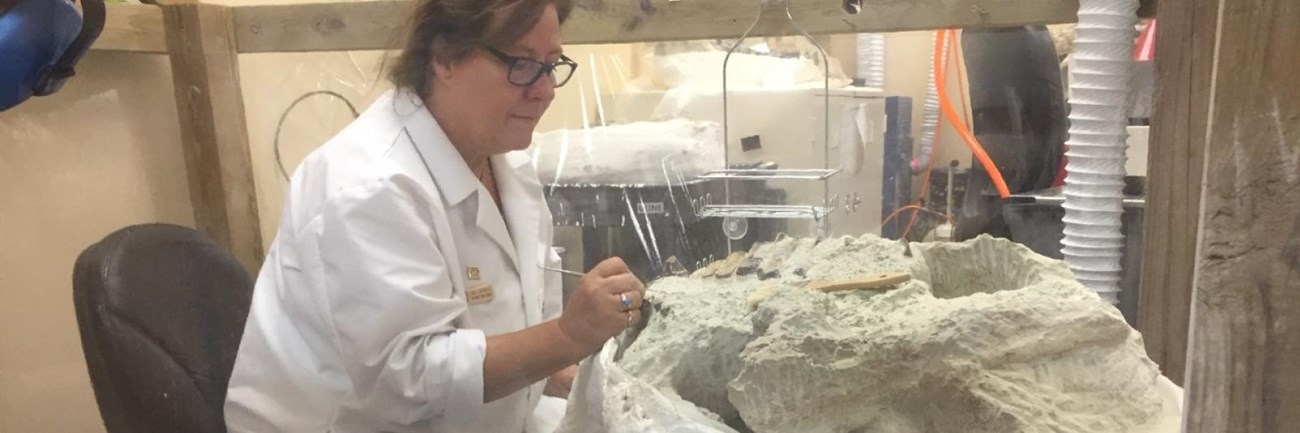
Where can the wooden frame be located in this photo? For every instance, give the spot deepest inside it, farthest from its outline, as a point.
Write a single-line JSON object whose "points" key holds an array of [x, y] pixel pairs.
{"points": [[370, 25], [214, 135], [1177, 148], [1242, 373]]}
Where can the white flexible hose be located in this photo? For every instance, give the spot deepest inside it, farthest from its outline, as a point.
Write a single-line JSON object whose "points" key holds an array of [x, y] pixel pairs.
{"points": [[929, 115], [871, 60], [1094, 182]]}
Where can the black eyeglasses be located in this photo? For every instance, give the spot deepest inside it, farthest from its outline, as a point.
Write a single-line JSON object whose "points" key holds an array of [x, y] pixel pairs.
{"points": [[524, 71]]}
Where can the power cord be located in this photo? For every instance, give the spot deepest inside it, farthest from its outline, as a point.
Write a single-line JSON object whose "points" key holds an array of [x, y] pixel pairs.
{"points": [[275, 144]]}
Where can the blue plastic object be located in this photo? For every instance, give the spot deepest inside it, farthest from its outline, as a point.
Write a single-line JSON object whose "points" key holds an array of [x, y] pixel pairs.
{"points": [[33, 36]]}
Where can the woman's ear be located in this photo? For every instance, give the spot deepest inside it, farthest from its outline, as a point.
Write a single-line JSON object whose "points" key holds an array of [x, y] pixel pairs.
{"points": [[442, 70]]}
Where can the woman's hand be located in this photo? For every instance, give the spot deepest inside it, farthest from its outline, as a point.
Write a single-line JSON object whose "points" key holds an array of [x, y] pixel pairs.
{"points": [[561, 383], [603, 305]]}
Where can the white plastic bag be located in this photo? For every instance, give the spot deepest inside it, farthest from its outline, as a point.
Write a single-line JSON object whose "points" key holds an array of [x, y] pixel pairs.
{"points": [[606, 399]]}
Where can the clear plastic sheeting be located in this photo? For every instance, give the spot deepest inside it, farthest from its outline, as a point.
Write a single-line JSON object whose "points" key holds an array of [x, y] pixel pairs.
{"points": [[604, 392], [632, 151], [296, 102], [651, 153], [766, 63]]}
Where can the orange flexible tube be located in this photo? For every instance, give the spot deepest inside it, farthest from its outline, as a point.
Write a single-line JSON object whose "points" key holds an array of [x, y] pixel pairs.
{"points": [[941, 86], [961, 82]]}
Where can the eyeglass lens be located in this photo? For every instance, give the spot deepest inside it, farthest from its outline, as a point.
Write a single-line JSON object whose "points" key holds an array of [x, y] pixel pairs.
{"points": [[527, 71]]}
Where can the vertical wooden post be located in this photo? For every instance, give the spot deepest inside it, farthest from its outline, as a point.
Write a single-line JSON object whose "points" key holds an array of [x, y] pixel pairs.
{"points": [[1184, 54], [205, 70], [1243, 370]]}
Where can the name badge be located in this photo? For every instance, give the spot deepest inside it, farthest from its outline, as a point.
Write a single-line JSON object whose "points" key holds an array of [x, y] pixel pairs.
{"points": [[479, 295]]}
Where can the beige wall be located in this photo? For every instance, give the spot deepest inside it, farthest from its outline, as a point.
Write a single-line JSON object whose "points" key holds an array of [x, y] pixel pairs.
{"points": [[101, 155]]}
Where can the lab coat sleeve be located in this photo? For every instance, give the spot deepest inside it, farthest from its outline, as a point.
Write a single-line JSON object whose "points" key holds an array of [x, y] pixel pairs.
{"points": [[393, 308]]}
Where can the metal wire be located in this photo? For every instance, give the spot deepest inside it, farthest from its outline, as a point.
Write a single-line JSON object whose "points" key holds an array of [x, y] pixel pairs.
{"points": [[279, 126]]}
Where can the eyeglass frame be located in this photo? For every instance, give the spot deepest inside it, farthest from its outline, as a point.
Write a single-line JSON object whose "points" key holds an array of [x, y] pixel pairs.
{"points": [[546, 68]]}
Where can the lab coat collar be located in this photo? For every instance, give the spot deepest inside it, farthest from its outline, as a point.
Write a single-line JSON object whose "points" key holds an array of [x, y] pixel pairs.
{"points": [[520, 235], [450, 172], [499, 229], [516, 161], [521, 197]]}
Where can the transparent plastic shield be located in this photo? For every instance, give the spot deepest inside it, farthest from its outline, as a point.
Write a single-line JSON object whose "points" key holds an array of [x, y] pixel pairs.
{"points": [[636, 161]]}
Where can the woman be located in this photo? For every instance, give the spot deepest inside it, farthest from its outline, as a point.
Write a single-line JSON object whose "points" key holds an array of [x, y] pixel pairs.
{"points": [[404, 291]]}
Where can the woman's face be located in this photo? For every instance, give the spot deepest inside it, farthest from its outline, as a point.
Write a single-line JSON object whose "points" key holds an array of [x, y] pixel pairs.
{"points": [[487, 109]]}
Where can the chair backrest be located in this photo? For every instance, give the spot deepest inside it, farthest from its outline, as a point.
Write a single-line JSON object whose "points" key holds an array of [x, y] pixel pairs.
{"points": [[161, 309]]}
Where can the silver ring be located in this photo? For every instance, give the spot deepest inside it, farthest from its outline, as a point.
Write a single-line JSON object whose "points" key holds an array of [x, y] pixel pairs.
{"points": [[627, 302], [629, 319]]}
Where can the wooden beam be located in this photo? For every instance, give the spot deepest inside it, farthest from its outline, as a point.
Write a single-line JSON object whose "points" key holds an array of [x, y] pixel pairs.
{"points": [[1244, 363], [205, 71], [1184, 49], [136, 28], [339, 26], [614, 21], [372, 25]]}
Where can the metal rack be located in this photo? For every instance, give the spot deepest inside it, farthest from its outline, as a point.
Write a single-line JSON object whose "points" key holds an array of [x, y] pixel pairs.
{"points": [[775, 211], [766, 174]]}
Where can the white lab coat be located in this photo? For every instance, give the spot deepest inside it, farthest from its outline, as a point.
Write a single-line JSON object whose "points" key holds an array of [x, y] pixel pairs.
{"points": [[360, 320]]}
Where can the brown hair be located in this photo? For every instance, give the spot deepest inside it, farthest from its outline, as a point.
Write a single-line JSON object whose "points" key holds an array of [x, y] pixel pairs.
{"points": [[447, 31]]}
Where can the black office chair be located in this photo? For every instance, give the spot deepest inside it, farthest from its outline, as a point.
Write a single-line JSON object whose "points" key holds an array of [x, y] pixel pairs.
{"points": [[161, 309]]}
